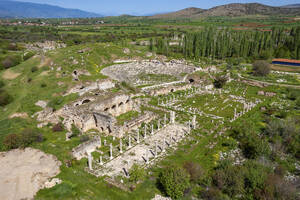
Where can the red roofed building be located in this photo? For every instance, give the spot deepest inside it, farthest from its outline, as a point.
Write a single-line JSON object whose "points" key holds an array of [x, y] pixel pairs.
{"points": [[286, 62]]}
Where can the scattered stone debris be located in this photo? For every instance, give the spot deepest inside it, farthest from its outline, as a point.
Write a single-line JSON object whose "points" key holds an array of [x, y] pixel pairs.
{"points": [[19, 115], [267, 94], [159, 197], [53, 182], [45, 46], [126, 51], [42, 104]]}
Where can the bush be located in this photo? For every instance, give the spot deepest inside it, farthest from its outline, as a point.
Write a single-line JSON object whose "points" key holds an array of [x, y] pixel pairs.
{"points": [[195, 171], [220, 81], [261, 68], [5, 98], [84, 138], [174, 181], [43, 85], [29, 136], [229, 179], [1, 84], [136, 173], [57, 128], [11, 61], [34, 69], [12, 141]]}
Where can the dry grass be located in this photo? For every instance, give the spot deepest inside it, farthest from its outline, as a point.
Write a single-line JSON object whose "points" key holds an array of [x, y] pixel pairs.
{"points": [[10, 75]]}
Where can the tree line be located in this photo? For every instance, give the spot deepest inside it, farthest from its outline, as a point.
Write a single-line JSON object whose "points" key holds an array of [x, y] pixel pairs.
{"points": [[220, 43]]}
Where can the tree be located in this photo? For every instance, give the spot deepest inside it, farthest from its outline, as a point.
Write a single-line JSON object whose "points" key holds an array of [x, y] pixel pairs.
{"points": [[174, 181], [136, 173], [261, 68]]}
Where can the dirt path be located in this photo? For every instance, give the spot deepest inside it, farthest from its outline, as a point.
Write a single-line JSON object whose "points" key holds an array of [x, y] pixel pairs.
{"points": [[268, 83], [24, 172]]}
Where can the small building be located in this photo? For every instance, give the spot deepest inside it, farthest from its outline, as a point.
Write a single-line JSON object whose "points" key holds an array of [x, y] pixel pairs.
{"points": [[286, 62]]}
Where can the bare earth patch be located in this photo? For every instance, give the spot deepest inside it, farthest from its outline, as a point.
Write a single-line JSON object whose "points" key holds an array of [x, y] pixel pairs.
{"points": [[45, 62], [10, 75], [24, 172]]}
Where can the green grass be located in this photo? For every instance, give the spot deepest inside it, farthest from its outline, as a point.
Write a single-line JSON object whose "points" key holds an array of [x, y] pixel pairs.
{"points": [[127, 117]]}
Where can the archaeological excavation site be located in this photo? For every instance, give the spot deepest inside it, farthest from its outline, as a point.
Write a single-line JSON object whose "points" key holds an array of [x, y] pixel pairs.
{"points": [[163, 107]]}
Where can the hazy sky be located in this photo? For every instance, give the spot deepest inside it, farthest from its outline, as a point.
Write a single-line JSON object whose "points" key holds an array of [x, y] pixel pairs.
{"points": [[140, 7]]}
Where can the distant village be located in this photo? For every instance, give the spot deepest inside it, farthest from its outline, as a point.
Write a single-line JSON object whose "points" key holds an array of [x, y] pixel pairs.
{"points": [[47, 22]]}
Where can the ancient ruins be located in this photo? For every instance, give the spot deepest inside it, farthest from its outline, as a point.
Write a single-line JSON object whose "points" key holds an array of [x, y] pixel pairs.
{"points": [[146, 138]]}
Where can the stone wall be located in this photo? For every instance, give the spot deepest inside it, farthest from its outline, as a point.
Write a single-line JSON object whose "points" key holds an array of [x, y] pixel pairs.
{"points": [[166, 90], [80, 151], [115, 106]]}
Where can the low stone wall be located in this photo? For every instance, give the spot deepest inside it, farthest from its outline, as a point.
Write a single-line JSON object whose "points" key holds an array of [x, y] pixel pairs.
{"points": [[80, 151], [166, 90]]}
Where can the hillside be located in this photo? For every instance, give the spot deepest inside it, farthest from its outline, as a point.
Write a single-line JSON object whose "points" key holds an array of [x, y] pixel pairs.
{"points": [[185, 13], [235, 9], [15, 9], [249, 9], [291, 6]]}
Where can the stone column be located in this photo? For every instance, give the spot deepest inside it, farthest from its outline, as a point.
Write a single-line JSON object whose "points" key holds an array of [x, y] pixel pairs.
{"points": [[129, 141], [164, 144], [101, 160], [170, 140], [172, 117], [110, 151], [147, 156], [155, 149], [158, 124], [152, 130], [121, 146], [194, 122], [138, 137], [189, 126], [90, 160], [145, 132]]}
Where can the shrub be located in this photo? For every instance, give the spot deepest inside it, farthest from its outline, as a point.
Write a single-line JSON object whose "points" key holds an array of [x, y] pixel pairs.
{"points": [[261, 68], [29, 136], [11, 61], [11, 141], [34, 69], [84, 138], [195, 171], [174, 180], [57, 128], [220, 81], [229, 179], [1, 84], [43, 85], [5, 98], [136, 173], [75, 131]]}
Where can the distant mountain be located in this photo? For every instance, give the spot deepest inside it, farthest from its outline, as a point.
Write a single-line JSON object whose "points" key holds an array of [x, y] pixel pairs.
{"points": [[185, 13], [15, 9], [291, 6], [236, 9]]}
